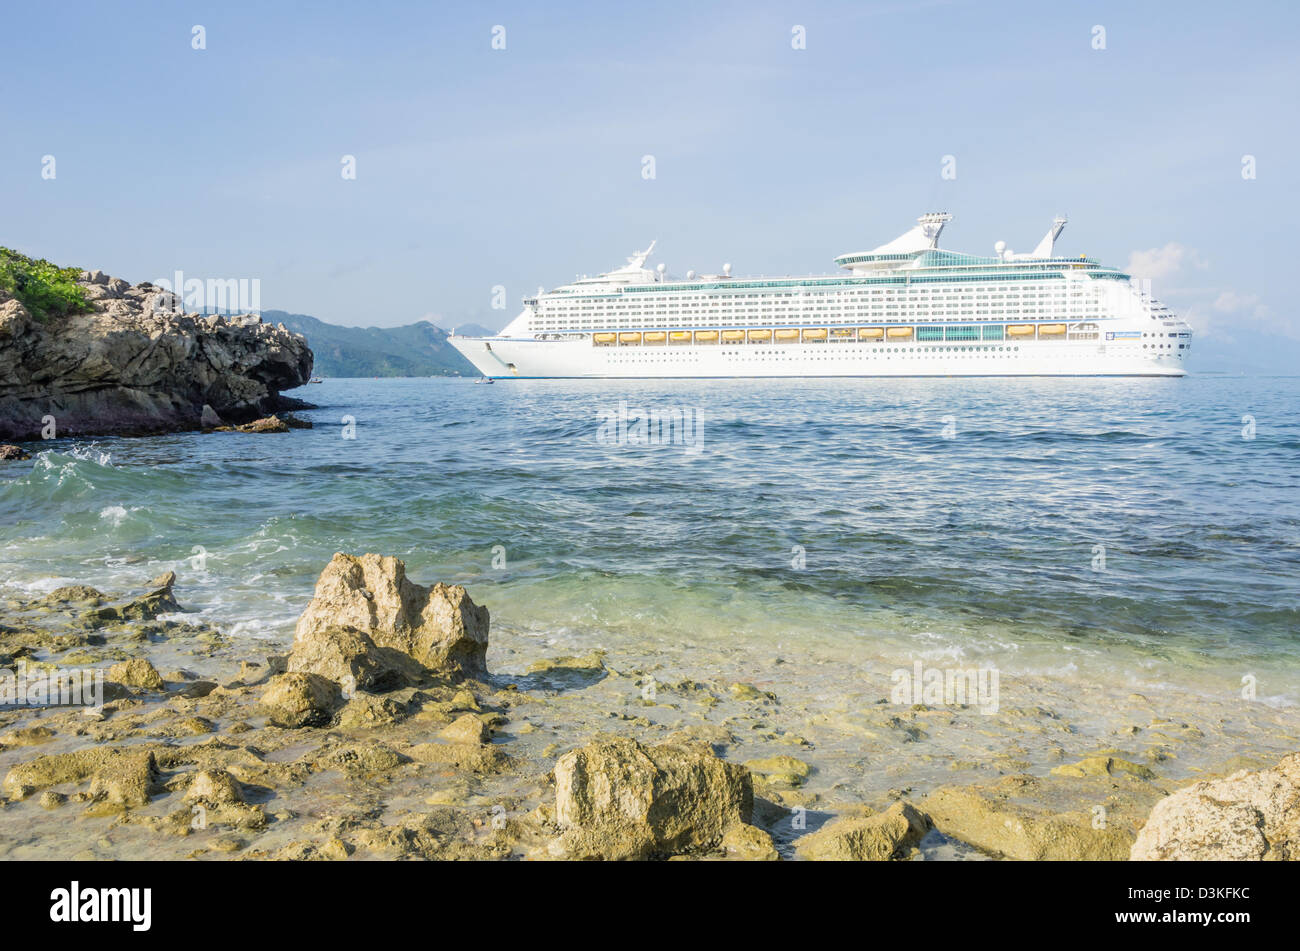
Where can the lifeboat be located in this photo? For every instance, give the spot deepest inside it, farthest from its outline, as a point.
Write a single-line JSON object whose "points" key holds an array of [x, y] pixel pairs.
{"points": [[1051, 330], [870, 333], [679, 336], [760, 336], [629, 339], [787, 335], [733, 336], [900, 333], [654, 336], [1020, 330], [815, 333], [843, 333], [603, 340], [706, 336]]}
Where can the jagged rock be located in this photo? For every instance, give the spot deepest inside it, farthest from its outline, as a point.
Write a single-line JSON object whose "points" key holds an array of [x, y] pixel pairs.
{"points": [[269, 424], [147, 607], [209, 418], [616, 799], [296, 699], [1245, 816], [10, 452], [73, 593], [133, 365], [353, 660], [439, 626], [136, 672], [875, 838]]}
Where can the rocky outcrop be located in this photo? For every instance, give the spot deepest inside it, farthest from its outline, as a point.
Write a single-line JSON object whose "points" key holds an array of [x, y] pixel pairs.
{"points": [[617, 799], [1245, 816], [873, 838], [439, 626], [1036, 818], [135, 365]]}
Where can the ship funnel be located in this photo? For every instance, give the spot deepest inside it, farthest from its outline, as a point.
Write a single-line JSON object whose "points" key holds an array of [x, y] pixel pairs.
{"points": [[1044, 249]]}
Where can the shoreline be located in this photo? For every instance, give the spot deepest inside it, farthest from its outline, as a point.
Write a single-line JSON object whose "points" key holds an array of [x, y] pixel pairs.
{"points": [[813, 760]]}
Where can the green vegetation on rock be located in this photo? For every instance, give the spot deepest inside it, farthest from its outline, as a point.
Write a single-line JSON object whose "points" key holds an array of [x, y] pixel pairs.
{"points": [[45, 289]]}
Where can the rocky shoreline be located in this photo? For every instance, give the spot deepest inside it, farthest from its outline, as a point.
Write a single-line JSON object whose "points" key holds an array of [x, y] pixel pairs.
{"points": [[133, 364], [382, 733]]}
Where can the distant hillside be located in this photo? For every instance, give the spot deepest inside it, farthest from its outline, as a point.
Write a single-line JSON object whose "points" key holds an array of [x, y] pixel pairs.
{"points": [[419, 349]]}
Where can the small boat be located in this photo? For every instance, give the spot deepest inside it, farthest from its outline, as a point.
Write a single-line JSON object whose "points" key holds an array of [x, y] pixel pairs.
{"points": [[316, 379]]}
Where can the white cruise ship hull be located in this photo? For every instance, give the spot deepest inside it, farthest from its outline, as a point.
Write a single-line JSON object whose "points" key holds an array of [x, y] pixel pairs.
{"points": [[504, 358]]}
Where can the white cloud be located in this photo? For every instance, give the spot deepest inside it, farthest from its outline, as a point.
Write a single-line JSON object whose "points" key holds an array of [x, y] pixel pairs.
{"points": [[1158, 263]]}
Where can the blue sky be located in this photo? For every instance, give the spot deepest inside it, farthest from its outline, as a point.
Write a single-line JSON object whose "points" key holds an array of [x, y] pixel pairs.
{"points": [[522, 167]]}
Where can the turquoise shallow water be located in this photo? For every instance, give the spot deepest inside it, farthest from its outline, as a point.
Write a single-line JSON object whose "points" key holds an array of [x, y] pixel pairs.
{"points": [[829, 517]]}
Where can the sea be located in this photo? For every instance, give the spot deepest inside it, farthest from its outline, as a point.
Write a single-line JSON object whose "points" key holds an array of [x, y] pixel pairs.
{"points": [[810, 537]]}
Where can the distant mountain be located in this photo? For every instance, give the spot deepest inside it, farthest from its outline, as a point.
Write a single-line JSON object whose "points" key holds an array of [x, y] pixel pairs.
{"points": [[418, 349]]}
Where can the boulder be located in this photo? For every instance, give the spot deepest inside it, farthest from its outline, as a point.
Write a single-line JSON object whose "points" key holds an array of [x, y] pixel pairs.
{"points": [[10, 452], [214, 787], [874, 838], [136, 672], [617, 799], [438, 626], [209, 418], [295, 700], [353, 660], [1247, 816], [466, 728]]}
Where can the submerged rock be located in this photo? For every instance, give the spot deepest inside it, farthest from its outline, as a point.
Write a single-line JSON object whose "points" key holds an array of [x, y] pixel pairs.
{"points": [[269, 424], [1031, 818], [1245, 816], [438, 626], [617, 799], [875, 838]]}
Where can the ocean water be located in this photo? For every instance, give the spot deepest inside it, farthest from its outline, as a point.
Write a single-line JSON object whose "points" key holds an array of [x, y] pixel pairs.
{"points": [[803, 534]]}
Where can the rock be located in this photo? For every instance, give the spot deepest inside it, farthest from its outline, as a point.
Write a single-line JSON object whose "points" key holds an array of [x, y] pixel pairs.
{"points": [[11, 452], [780, 770], [466, 728], [132, 365], [270, 424], [616, 799], [352, 659], [209, 419], [1032, 818], [147, 607], [439, 626], [1103, 766], [297, 699], [875, 838], [214, 787], [136, 672], [1245, 816], [748, 843], [126, 783], [73, 594]]}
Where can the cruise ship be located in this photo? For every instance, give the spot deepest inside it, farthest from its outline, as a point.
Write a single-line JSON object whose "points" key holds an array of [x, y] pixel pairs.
{"points": [[907, 308]]}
